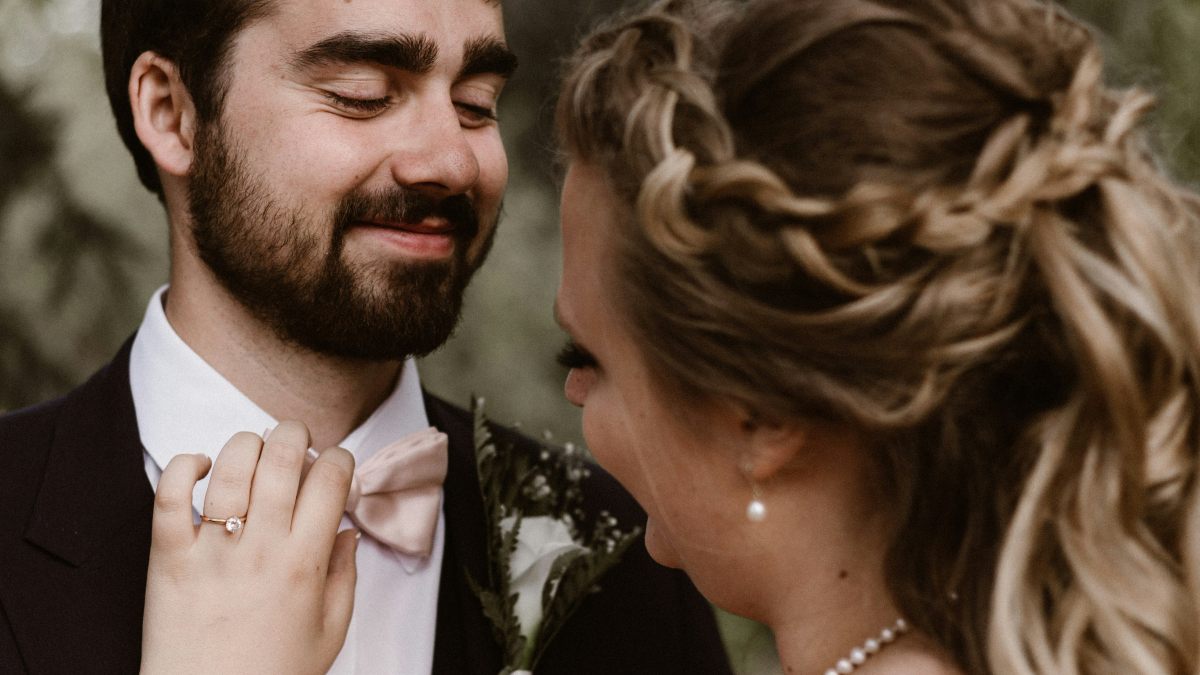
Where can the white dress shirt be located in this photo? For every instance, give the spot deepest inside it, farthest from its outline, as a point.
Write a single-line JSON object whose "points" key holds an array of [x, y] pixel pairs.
{"points": [[183, 405]]}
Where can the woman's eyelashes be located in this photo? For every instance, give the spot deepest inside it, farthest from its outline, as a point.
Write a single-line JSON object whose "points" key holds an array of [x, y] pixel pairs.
{"points": [[573, 356]]}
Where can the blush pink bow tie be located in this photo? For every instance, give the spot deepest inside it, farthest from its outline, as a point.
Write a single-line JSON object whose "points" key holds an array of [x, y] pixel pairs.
{"points": [[396, 495]]}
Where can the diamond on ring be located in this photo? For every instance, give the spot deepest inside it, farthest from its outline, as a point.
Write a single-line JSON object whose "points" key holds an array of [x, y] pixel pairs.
{"points": [[231, 525]]}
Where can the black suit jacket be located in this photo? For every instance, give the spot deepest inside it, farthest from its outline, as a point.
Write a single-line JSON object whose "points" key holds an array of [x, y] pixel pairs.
{"points": [[75, 509]]}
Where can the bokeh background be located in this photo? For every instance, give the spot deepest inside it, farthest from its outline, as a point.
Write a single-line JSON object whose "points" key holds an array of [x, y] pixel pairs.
{"points": [[83, 245]]}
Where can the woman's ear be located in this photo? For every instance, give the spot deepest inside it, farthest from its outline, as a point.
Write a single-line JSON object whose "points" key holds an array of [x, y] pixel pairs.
{"points": [[164, 116], [770, 446]]}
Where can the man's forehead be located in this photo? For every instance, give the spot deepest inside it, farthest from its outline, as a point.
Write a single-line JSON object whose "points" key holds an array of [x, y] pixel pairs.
{"points": [[440, 19], [448, 32]]}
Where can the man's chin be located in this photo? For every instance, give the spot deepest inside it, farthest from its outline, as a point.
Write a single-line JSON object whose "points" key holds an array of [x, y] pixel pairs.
{"points": [[370, 314]]}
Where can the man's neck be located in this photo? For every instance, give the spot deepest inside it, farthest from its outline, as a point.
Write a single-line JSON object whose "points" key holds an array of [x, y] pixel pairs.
{"points": [[331, 396]]}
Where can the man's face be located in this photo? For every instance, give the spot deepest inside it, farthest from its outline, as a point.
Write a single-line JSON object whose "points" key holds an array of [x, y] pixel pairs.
{"points": [[353, 181]]}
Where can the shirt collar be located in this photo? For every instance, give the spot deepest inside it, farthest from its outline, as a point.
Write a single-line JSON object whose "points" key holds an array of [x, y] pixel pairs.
{"points": [[184, 405]]}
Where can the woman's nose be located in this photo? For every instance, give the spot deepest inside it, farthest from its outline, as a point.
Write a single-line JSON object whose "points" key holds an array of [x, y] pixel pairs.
{"points": [[577, 385]]}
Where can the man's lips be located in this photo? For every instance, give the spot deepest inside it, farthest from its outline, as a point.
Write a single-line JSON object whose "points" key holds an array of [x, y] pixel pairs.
{"points": [[436, 226], [431, 238]]}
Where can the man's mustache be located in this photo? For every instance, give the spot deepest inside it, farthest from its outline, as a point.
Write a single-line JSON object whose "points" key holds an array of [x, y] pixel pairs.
{"points": [[404, 206]]}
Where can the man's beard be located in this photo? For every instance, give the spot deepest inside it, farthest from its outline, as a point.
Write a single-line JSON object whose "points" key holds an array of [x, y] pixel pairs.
{"points": [[288, 271]]}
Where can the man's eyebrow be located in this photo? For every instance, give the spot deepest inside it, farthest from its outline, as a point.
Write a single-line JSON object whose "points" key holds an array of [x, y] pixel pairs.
{"points": [[487, 55], [413, 53]]}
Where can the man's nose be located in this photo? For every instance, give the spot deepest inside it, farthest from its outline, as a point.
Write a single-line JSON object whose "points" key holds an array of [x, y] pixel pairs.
{"points": [[433, 152]]}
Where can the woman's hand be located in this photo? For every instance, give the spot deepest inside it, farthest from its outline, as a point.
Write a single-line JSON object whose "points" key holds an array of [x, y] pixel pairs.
{"points": [[273, 597]]}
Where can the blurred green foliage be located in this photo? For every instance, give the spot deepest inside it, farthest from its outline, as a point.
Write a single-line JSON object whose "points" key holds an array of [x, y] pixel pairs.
{"points": [[1151, 44], [65, 272], [82, 246]]}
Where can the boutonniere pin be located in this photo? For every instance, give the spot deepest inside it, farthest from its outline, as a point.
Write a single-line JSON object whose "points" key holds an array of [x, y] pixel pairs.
{"points": [[542, 558]]}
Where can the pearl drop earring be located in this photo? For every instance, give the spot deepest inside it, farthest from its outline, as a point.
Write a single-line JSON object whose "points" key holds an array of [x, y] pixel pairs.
{"points": [[756, 510]]}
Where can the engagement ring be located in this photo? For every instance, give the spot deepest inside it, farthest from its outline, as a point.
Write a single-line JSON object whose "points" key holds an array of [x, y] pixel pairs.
{"points": [[231, 524]]}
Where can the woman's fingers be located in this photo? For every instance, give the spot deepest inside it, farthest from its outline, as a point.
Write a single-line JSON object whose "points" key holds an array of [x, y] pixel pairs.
{"points": [[322, 499], [277, 479], [229, 487], [339, 586], [319, 509], [294, 583], [173, 527]]}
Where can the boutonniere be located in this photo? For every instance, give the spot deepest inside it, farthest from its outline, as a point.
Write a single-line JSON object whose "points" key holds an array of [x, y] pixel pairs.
{"points": [[542, 558]]}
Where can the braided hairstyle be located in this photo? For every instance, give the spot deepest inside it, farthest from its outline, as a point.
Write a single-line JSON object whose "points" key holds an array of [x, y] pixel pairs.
{"points": [[930, 220]]}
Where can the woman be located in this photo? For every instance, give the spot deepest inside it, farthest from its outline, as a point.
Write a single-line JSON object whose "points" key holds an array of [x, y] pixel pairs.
{"points": [[884, 313]]}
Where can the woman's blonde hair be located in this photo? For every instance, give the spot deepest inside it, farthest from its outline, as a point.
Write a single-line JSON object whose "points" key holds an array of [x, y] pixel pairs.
{"points": [[929, 219]]}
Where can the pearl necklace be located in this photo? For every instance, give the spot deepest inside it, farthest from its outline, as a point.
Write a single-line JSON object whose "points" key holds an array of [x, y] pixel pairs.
{"points": [[859, 655]]}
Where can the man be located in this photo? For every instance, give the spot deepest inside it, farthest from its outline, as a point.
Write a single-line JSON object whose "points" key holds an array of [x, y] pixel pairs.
{"points": [[332, 174]]}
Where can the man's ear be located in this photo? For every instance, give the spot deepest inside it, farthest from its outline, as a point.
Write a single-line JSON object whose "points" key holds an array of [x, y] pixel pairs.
{"points": [[164, 116]]}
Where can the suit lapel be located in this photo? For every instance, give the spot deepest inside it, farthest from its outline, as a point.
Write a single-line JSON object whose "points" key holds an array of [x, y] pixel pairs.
{"points": [[464, 642], [95, 478], [84, 569]]}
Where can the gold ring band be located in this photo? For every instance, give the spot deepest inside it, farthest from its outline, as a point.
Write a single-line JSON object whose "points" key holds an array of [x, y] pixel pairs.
{"points": [[231, 524]]}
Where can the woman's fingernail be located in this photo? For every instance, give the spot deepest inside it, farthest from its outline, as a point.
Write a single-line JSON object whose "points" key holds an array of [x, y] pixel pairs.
{"points": [[357, 535]]}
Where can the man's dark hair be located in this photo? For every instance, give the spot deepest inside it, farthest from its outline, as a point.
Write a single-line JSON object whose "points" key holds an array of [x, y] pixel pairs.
{"points": [[194, 35]]}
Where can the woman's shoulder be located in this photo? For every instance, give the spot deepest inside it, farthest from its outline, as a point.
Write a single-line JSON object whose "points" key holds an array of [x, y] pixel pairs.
{"points": [[912, 656]]}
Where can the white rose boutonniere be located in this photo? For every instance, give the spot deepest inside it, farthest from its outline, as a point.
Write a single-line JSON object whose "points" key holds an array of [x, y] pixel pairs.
{"points": [[541, 565], [540, 542]]}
